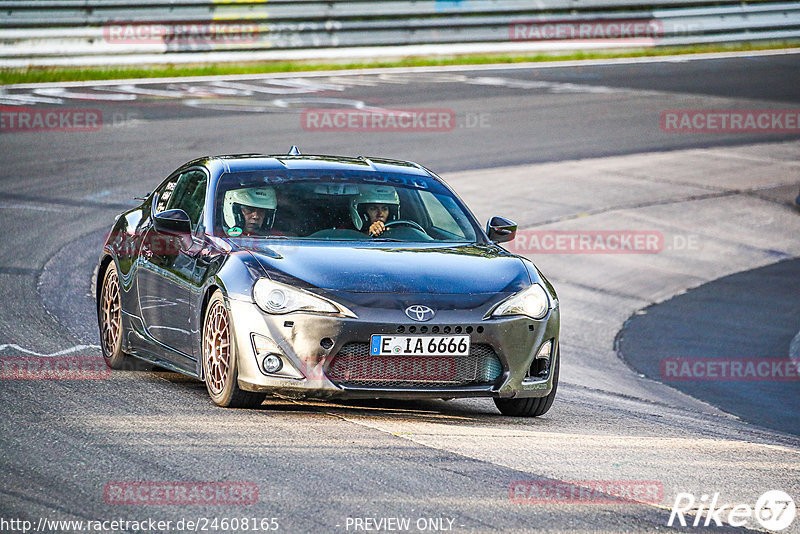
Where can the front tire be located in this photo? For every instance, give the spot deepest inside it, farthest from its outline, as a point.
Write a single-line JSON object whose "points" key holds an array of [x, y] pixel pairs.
{"points": [[531, 406], [109, 318], [220, 359]]}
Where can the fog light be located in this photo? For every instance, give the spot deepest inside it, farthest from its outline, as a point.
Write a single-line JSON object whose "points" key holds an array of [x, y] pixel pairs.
{"points": [[545, 350], [272, 363]]}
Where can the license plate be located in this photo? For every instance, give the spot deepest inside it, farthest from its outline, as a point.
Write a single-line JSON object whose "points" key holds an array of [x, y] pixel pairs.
{"points": [[419, 345]]}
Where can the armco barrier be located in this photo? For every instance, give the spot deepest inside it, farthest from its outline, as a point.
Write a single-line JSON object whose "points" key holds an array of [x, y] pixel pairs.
{"points": [[106, 31]]}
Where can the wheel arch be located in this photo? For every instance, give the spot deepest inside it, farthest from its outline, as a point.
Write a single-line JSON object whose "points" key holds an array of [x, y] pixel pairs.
{"points": [[209, 290], [235, 279], [105, 261]]}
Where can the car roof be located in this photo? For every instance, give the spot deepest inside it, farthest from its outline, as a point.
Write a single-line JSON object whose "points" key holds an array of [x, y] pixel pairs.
{"points": [[256, 162]]}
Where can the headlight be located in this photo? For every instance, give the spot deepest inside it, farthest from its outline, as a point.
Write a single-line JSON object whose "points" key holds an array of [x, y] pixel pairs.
{"points": [[277, 298], [532, 301]]}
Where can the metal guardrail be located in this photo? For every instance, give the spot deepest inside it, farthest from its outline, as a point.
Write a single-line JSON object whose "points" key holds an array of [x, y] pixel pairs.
{"points": [[87, 12], [48, 31]]}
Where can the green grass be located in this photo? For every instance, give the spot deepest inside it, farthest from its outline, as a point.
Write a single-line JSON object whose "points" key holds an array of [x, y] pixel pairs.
{"points": [[59, 74]]}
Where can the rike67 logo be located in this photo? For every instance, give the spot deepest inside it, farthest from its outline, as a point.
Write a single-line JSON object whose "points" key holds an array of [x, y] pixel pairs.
{"points": [[774, 510]]}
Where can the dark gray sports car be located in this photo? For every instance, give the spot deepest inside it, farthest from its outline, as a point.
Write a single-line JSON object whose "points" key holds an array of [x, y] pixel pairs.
{"points": [[326, 276]]}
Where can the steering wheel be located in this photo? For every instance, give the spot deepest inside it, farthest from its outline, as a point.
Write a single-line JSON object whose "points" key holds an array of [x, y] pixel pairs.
{"points": [[406, 222]]}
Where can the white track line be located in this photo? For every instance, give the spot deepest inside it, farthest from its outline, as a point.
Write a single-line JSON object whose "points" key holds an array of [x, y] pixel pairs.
{"points": [[70, 350]]}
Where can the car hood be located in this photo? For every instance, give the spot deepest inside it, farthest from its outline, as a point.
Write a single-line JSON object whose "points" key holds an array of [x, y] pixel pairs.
{"points": [[409, 268]]}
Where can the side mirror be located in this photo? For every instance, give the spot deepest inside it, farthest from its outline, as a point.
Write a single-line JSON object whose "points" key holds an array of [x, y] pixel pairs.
{"points": [[501, 230], [173, 222]]}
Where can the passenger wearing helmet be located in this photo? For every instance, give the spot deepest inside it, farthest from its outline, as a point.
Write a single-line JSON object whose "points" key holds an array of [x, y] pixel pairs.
{"points": [[249, 211], [373, 207]]}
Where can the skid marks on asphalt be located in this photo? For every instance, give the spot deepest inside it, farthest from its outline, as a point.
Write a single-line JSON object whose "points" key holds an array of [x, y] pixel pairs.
{"points": [[268, 94]]}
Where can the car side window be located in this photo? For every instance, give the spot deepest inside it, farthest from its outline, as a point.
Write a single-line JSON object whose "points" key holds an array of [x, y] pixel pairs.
{"points": [[164, 194], [189, 195]]}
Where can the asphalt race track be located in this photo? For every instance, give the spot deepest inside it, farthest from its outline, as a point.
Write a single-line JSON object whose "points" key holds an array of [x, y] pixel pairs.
{"points": [[739, 324], [579, 150]]}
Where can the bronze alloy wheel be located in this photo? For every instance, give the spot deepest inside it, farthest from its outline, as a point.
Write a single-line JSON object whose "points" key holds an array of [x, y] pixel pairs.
{"points": [[217, 348], [219, 358], [109, 314]]}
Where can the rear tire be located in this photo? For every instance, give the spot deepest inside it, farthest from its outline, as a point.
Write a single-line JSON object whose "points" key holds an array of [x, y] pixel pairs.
{"points": [[220, 370], [109, 318], [531, 406]]}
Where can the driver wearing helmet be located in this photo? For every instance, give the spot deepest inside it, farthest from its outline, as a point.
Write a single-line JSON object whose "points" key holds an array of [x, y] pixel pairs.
{"points": [[249, 211], [373, 207]]}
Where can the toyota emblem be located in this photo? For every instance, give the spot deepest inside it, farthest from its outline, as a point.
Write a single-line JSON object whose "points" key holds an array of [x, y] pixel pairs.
{"points": [[420, 313]]}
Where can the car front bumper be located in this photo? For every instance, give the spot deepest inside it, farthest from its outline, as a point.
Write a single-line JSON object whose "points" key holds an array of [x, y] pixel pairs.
{"points": [[309, 344]]}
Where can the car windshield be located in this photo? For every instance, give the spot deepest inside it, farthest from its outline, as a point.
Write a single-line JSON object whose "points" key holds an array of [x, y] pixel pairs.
{"points": [[340, 206]]}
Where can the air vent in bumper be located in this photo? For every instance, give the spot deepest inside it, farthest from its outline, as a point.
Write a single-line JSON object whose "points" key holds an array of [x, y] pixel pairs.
{"points": [[353, 366]]}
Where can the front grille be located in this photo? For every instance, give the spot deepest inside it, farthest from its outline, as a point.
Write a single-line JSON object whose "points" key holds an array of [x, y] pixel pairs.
{"points": [[354, 366]]}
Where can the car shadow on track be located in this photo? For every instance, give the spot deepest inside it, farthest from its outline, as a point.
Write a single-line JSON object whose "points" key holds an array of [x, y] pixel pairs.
{"points": [[479, 412]]}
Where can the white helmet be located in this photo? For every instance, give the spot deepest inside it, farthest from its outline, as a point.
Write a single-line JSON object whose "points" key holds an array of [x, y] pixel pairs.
{"points": [[373, 194], [256, 197]]}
